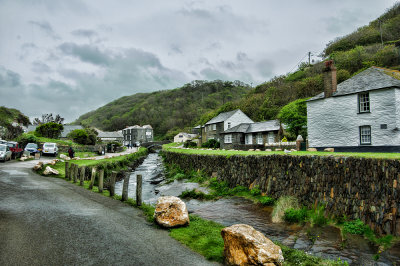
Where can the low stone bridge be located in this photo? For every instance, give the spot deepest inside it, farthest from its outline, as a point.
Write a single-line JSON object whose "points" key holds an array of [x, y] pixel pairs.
{"points": [[154, 145]]}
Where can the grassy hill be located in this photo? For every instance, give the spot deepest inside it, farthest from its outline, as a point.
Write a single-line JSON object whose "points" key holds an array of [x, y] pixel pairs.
{"points": [[10, 115], [166, 111]]}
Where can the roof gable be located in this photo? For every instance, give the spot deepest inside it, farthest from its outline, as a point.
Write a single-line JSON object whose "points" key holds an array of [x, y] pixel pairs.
{"points": [[373, 78], [222, 117]]}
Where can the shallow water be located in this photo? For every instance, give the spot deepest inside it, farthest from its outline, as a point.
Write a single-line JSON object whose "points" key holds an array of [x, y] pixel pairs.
{"points": [[325, 241]]}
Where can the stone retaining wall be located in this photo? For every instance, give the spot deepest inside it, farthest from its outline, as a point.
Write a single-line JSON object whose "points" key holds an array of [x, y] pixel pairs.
{"points": [[362, 188]]}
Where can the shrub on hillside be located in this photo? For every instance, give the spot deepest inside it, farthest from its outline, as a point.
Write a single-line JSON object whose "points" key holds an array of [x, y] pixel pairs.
{"points": [[49, 130], [211, 143], [26, 138]]}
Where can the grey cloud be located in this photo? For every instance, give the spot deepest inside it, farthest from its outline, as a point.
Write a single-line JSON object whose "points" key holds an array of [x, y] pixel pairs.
{"points": [[213, 74], [46, 28], [86, 53], [241, 56], [176, 49], [9, 79], [265, 68], [40, 67]]}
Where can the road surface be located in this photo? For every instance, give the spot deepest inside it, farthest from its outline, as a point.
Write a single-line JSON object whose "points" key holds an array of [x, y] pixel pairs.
{"points": [[48, 221]]}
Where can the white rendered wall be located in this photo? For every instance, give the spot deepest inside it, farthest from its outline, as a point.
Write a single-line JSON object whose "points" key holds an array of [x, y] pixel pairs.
{"points": [[335, 122], [237, 118]]}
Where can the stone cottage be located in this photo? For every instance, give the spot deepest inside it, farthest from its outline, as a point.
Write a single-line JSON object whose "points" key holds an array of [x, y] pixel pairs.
{"points": [[213, 128], [360, 114], [253, 135], [183, 137], [137, 133]]}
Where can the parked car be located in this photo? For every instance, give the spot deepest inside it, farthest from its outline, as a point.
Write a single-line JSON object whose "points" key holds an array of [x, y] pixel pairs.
{"points": [[32, 148], [15, 149], [50, 148], [5, 153], [2, 141]]}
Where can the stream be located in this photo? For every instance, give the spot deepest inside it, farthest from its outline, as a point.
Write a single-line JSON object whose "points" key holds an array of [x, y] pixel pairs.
{"points": [[324, 241]]}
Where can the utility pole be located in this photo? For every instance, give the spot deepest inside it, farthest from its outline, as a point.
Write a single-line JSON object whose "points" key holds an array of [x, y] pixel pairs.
{"points": [[309, 58]]}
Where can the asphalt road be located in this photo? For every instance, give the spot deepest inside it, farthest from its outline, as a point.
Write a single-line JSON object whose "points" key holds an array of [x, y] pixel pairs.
{"points": [[48, 221]]}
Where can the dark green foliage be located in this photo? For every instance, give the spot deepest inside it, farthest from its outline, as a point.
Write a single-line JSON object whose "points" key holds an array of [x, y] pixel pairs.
{"points": [[195, 194], [356, 227], [7, 117], [294, 115], [26, 138], [49, 130], [166, 111], [255, 191], [317, 216], [267, 201], [211, 143], [295, 215], [87, 136], [190, 144]]}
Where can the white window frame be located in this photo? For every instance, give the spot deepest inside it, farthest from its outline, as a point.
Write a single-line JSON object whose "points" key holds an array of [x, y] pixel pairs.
{"points": [[214, 127], [365, 135], [229, 125], [228, 138], [271, 137], [260, 140], [248, 139], [364, 105]]}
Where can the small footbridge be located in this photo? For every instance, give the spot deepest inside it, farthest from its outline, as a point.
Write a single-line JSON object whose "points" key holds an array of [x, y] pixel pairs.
{"points": [[152, 146]]}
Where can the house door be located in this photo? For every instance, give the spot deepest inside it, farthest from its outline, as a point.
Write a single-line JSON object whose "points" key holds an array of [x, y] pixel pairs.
{"points": [[271, 137], [249, 139]]}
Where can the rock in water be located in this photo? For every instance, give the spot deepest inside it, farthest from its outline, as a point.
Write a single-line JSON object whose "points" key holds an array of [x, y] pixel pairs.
{"points": [[243, 245], [171, 212], [50, 171]]}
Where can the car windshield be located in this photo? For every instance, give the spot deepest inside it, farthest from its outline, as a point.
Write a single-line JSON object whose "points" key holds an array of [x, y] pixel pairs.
{"points": [[49, 145], [2, 148], [31, 145], [11, 145]]}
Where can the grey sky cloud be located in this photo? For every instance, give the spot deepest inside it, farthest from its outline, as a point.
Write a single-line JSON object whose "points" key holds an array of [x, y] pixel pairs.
{"points": [[75, 56]]}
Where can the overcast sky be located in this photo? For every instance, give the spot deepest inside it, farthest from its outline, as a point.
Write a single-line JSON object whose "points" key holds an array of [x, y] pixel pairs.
{"points": [[70, 57]]}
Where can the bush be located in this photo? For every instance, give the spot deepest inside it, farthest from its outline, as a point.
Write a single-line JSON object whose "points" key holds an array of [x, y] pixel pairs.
{"points": [[49, 130], [26, 138], [190, 144], [85, 136], [284, 203], [317, 216], [267, 201], [356, 227], [295, 215], [211, 143]]}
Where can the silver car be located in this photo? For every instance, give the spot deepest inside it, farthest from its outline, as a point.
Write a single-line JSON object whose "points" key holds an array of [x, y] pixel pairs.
{"points": [[5, 153], [50, 148]]}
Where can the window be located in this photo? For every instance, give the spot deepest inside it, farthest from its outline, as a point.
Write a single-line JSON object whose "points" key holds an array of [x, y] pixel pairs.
{"points": [[365, 135], [214, 126], [271, 137], [363, 103], [259, 138], [249, 139], [228, 138], [229, 125]]}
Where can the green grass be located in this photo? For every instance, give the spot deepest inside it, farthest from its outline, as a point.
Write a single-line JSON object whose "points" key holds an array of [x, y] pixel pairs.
{"points": [[82, 154], [228, 153]]}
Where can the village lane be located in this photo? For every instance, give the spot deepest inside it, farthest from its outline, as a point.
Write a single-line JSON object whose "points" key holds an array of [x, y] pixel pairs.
{"points": [[48, 221]]}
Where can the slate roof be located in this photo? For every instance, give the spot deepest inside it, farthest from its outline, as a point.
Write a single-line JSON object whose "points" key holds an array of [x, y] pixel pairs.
{"points": [[114, 134], [373, 78], [221, 117], [271, 125]]}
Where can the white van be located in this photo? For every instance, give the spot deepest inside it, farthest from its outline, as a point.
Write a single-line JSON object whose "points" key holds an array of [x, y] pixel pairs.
{"points": [[50, 148]]}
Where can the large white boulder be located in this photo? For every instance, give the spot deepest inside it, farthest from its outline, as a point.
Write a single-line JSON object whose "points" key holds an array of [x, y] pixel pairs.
{"points": [[38, 166], [50, 171], [243, 245], [171, 212]]}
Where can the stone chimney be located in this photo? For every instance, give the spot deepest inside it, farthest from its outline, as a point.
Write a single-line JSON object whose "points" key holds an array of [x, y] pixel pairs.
{"points": [[330, 82]]}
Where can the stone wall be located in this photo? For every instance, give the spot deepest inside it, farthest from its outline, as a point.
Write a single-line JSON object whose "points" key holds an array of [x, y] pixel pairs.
{"points": [[362, 188]]}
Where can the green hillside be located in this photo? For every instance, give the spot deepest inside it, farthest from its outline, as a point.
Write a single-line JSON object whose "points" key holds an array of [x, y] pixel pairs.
{"points": [[10, 115], [166, 111]]}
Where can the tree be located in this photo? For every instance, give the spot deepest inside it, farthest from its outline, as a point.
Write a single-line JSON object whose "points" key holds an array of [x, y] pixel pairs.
{"points": [[46, 118], [50, 130], [87, 136], [294, 115]]}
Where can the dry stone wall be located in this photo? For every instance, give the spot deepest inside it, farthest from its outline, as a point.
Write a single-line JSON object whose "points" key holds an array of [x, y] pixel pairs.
{"points": [[362, 188]]}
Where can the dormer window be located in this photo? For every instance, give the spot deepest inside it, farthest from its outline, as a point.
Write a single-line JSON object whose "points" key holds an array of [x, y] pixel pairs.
{"points": [[363, 103], [229, 124]]}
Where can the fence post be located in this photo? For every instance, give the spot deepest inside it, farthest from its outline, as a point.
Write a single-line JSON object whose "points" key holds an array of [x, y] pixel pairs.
{"points": [[139, 190], [67, 170], [92, 178], [82, 177], [125, 186], [112, 183], [76, 169], [101, 178]]}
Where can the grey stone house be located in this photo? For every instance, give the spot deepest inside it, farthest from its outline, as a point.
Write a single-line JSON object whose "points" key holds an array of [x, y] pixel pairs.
{"points": [[110, 136], [252, 135], [213, 128], [137, 133], [360, 114]]}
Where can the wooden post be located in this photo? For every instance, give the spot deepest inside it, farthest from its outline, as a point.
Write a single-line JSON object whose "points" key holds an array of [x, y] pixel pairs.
{"points": [[82, 177], [101, 178], [139, 190], [76, 170], [93, 177], [125, 186], [112, 183], [67, 170]]}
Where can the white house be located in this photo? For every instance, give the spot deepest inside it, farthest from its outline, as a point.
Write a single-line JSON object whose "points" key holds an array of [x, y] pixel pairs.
{"points": [[183, 137], [360, 114]]}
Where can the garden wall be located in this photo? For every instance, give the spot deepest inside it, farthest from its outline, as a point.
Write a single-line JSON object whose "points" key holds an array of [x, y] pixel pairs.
{"points": [[362, 188]]}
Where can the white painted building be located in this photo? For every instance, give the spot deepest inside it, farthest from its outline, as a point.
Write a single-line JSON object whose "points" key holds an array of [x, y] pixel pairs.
{"points": [[183, 137], [360, 114]]}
